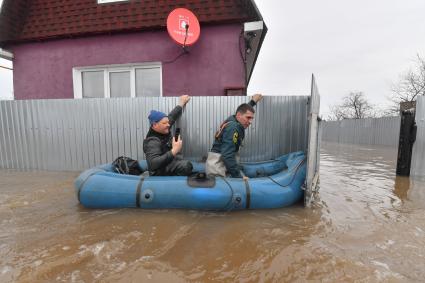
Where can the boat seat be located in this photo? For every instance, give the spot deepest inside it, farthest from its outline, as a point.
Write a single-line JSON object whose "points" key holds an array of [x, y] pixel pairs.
{"points": [[201, 180]]}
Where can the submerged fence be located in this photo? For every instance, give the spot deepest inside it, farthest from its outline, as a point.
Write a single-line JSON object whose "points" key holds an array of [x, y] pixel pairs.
{"points": [[418, 154], [313, 152], [371, 131], [78, 134]]}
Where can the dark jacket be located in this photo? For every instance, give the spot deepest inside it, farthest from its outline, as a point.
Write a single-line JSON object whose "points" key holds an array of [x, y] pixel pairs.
{"points": [[228, 143], [157, 147]]}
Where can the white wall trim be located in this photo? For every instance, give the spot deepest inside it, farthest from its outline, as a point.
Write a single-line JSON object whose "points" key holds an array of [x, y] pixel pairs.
{"points": [[110, 1], [77, 83]]}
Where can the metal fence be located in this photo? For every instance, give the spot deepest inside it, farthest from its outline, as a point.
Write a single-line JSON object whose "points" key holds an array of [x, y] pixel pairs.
{"points": [[76, 134], [313, 158], [372, 131], [418, 155]]}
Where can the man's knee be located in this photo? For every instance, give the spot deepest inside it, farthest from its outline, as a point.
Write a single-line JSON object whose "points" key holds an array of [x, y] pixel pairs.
{"points": [[188, 167], [184, 168]]}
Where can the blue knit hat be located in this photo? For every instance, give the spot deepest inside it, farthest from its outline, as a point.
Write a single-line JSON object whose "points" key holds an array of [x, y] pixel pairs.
{"points": [[156, 116]]}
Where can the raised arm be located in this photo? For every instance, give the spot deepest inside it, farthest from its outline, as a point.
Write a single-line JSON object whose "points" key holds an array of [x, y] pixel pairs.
{"points": [[255, 99], [178, 110]]}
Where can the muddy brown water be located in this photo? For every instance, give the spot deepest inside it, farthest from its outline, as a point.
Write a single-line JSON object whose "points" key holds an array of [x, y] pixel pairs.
{"points": [[367, 225]]}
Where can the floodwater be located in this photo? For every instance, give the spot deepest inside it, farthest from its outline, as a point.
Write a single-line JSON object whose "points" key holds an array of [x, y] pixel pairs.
{"points": [[367, 225]]}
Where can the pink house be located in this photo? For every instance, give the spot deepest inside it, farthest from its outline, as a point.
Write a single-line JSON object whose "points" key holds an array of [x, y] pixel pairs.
{"points": [[121, 48]]}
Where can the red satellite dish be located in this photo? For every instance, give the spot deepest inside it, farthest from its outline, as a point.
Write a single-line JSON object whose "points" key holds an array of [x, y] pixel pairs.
{"points": [[183, 26]]}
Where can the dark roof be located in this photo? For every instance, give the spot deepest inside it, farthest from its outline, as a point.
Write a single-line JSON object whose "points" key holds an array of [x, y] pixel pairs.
{"points": [[28, 20]]}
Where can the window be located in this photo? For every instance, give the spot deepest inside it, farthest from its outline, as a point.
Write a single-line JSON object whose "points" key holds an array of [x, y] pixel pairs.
{"points": [[118, 81]]}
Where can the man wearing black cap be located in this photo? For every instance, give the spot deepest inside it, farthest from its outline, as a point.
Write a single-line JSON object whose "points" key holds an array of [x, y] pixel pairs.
{"points": [[161, 149]]}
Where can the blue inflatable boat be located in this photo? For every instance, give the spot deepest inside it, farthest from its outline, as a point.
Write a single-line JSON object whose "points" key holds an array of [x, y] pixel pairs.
{"points": [[272, 184]]}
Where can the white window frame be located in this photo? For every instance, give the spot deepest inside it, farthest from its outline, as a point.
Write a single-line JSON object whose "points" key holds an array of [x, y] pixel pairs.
{"points": [[107, 69]]}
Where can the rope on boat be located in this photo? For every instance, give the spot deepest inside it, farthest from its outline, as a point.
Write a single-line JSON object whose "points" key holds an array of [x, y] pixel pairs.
{"points": [[231, 197], [139, 187], [293, 176], [84, 182], [248, 194]]}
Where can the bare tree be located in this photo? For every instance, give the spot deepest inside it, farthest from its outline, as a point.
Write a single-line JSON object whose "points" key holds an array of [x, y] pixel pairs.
{"points": [[353, 106], [336, 113], [410, 85]]}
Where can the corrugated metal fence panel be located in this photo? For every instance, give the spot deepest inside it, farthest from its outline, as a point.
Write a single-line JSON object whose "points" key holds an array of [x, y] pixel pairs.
{"points": [[418, 154], [78, 134], [313, 143], [373, 131]]}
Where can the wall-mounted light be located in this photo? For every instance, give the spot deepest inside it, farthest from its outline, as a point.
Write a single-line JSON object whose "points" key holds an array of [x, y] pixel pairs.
{"points": [[248, 39]]}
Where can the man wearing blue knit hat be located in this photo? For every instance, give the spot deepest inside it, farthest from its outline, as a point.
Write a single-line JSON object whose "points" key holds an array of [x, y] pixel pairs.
{"points": [[161, 149]]}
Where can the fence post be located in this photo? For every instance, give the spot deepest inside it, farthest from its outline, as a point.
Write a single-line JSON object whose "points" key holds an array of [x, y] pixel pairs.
{"points": [[406, 139]]}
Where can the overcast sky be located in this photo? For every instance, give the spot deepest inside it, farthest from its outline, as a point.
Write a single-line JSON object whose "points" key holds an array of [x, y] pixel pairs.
{"points": [[356, 45], [360, 45]]}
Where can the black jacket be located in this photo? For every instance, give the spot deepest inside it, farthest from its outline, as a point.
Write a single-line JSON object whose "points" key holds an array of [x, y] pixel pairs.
{"points": [[157, 147]]}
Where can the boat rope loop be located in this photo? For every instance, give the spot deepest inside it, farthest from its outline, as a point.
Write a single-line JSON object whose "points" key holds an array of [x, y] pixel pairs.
{"points": [[293, 175], [248, 194], [139, 188], [232, 192], [85, 180]]}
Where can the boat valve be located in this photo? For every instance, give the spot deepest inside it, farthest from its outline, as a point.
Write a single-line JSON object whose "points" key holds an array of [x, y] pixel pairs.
{"points": [[147, 196], [237, 200]]}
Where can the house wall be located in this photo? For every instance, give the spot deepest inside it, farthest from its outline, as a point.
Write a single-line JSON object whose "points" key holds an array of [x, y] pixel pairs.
{"points": [[44, 69]]}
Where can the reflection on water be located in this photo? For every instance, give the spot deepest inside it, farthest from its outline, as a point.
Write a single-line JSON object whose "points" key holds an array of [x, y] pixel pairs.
{"points": [[367, 225], [401, 187]]}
